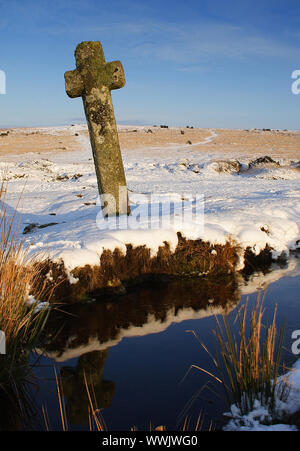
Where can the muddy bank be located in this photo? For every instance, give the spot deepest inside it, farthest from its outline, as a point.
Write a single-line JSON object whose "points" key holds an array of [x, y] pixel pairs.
{"points": [[118, 272]]}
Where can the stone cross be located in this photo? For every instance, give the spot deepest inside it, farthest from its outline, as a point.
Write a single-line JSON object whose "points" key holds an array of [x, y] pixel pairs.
{"points": [[93, 79]]}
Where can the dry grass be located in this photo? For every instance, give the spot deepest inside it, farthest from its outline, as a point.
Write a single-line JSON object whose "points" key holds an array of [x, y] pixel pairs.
{"points": [[95, 420], [248, 366], [19, 321]]}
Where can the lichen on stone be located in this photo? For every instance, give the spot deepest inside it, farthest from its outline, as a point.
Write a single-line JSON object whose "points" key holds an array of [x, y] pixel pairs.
{"points": [[93, 80]]}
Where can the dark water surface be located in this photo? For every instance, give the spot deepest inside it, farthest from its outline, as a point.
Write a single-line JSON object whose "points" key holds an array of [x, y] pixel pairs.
{"points": [[137, 351]]}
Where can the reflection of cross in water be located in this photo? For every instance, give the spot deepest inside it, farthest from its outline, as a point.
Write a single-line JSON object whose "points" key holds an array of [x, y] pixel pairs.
{"points": [[73, 381]]}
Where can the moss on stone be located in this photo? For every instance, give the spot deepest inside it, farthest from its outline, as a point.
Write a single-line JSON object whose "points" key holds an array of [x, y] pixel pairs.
{"points": [[93, 80]]}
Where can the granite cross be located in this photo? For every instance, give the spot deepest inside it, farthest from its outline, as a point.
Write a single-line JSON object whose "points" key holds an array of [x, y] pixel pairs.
{"points": [[93, 79]]}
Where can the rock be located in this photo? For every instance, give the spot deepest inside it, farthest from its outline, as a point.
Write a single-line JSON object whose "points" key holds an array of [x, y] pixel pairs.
{"points": [[189, 142], [76, 176], [62, 177], [263, 160], [226, 166], [194, 168], [29, 228], [49, 224], [35, 225]]}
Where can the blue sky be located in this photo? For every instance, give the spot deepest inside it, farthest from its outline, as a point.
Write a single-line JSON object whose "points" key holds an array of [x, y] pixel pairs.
{"points": [[222, 63]]}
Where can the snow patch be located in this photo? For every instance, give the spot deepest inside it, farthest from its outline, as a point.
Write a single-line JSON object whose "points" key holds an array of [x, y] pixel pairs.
{"points": [[256, 419]]}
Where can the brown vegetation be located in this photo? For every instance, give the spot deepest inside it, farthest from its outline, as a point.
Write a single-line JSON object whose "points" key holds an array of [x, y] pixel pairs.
{"points": [[192, 258]]}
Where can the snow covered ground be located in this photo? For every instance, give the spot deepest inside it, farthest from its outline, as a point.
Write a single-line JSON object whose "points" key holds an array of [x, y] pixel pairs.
{"points": [[255, 205]]}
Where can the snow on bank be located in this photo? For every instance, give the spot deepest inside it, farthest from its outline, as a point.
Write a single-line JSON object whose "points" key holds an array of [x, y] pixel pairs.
{"points": [[259, 281], [254, 421], [255, 207]]}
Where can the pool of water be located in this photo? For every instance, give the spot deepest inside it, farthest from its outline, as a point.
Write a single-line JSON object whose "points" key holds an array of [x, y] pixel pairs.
{"points": [[138, 350]]}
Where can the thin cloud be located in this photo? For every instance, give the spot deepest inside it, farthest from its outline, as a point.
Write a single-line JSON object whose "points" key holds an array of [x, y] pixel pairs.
{"points": [[183, 44], [180, 43], [193, 69]]}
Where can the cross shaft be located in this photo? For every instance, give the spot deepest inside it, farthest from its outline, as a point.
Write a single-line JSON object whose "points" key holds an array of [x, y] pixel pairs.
{"points": [[93, 79]]}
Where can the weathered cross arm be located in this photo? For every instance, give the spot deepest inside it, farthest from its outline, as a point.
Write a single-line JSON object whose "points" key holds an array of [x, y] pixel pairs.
{"points": [[74, 84], [115, 74]]}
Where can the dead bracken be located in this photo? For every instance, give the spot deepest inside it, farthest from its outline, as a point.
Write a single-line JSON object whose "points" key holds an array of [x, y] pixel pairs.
{"points": [[116, 271]]}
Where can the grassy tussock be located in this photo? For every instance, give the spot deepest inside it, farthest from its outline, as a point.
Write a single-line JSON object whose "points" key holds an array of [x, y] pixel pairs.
{"points": [[18, 320], [249, 365]]}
